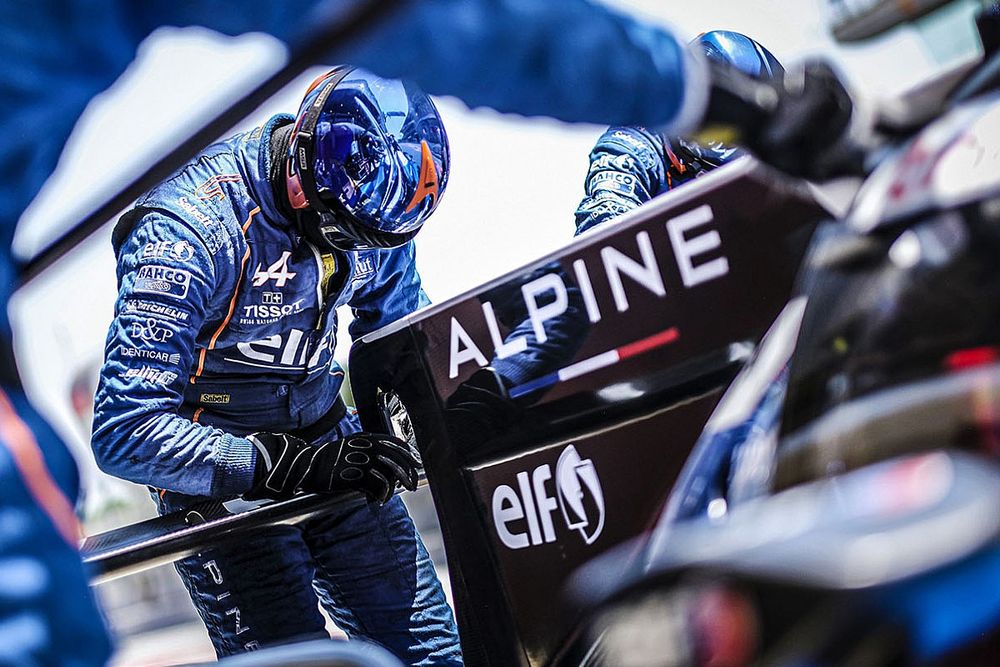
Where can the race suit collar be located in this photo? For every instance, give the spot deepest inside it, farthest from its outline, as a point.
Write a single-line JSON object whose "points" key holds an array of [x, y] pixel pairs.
{"points": [[272, 156]]}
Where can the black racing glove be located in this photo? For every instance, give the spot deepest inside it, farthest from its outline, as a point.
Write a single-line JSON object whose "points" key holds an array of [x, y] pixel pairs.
{"points": [[799, 125], [372, 463]]}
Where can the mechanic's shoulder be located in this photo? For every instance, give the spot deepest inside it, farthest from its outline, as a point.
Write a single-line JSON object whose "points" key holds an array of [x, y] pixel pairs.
{"points": [[207, 197]]}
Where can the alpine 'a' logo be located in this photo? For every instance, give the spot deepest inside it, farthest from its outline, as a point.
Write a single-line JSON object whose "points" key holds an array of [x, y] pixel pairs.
{"points": [[278, 272], [580, 497], [523, 516]]}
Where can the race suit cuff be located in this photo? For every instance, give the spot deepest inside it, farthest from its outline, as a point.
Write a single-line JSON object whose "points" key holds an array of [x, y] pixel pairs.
{"points": [[235, 466]]}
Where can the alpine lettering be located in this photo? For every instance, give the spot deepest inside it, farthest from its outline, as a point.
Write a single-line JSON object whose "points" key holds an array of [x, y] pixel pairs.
{"points": [[697, 254]]}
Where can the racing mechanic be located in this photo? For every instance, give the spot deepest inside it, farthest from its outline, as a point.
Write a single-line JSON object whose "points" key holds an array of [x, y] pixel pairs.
{"points": [[219, 378], [631, 165], [514, 56]]}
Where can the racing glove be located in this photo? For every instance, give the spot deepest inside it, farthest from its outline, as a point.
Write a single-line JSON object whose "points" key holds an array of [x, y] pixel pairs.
{"points": [[371, 463], [799, 125]]}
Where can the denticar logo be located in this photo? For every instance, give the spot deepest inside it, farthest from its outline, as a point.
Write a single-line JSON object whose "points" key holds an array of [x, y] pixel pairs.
{"points": [[579, 499], [163, 280]]}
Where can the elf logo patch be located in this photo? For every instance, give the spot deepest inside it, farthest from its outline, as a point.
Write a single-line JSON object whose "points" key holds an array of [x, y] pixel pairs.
{"points": [[523, 517], [278, 272]]}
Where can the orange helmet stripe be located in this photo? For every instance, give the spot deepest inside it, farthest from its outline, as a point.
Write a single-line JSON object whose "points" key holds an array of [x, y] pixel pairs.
{"points": [[428, 185]]}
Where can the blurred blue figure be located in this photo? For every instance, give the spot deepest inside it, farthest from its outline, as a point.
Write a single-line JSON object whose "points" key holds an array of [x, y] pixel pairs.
{"points": [[631, 165]]}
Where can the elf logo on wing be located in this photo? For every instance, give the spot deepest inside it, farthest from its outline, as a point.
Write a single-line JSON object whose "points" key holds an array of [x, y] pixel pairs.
{"points": [[523, 516], [278, 272]]}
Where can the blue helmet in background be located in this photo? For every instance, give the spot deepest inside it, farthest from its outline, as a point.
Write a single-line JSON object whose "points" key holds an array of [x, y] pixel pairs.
{"points": [[741, 52], [368, 157], [736, 50]]}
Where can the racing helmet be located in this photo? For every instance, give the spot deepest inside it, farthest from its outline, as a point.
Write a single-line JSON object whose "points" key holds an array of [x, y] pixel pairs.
{"points": [[367, 160], [732, 49]]}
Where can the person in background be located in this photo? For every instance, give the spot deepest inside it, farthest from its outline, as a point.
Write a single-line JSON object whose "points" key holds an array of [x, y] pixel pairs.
{"points": [[630, 165], [569, 59], [219, 377]]}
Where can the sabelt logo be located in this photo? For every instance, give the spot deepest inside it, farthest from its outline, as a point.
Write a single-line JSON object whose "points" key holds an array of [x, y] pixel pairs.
{"points": [[214, 399], [578, 498], [163, 280]]}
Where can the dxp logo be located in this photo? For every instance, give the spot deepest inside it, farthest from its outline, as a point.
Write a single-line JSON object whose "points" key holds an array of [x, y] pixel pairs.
{"points": [[578, 499]]}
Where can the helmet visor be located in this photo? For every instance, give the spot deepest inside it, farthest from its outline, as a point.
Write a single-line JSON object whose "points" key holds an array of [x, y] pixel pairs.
{"points": [[381, 153]]}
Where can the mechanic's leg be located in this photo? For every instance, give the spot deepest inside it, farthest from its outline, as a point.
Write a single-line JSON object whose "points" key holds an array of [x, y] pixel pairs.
{"points": [[254, 593], [377, 581]]}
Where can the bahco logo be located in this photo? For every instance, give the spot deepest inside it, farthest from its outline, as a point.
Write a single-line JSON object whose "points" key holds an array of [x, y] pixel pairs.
{"points": [[523, 516]]}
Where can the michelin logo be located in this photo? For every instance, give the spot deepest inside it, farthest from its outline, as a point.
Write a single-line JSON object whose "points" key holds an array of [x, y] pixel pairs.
{"points": [[153, 308], [579, 499], [163, 280]]}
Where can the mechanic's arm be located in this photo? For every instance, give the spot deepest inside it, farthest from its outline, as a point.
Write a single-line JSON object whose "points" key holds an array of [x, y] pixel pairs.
{"points": [[626, 170], [393, 292], [570, 59], [168, 282]]}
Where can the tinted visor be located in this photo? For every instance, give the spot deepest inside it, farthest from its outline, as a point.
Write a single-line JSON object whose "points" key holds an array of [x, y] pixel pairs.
{"points": [[380, 153]]}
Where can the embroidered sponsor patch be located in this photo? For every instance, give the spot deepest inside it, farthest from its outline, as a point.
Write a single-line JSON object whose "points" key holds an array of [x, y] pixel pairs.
{"points": [[153, 308], [214, 399], [151, 331], [181, 250], [153, 355], [150, 374], [164, 280]]}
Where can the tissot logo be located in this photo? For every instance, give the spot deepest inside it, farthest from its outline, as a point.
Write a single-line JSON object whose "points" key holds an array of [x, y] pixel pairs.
{"points": [[523, 517], [278, 272]]}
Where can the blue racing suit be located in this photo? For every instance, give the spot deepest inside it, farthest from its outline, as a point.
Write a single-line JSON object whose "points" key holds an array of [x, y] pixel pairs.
{"points": [[628, 167], [225, 324]]}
